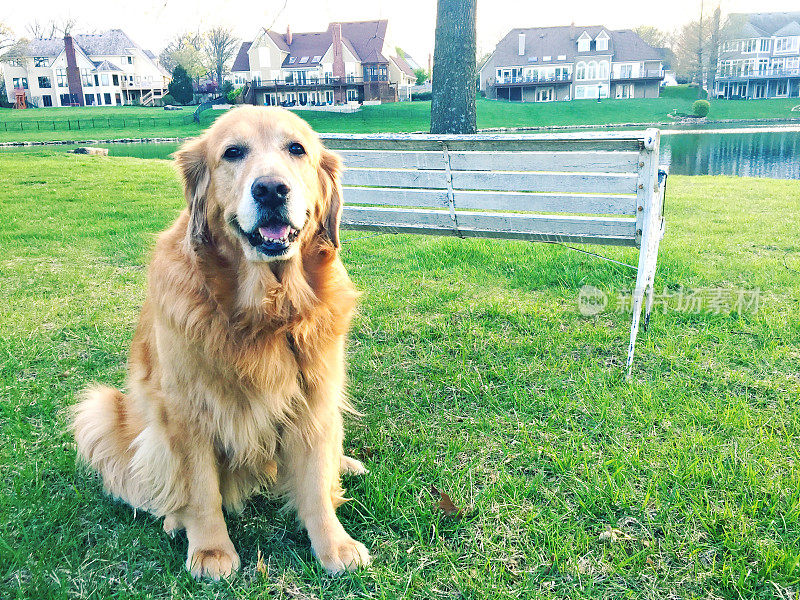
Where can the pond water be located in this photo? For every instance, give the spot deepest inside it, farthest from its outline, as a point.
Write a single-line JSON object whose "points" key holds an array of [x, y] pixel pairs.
{"points": [[762, 152]]}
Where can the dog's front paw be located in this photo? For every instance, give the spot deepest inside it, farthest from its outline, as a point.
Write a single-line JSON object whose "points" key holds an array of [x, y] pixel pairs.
{"points": [[213, 563], [352, 466], [343, 555]]}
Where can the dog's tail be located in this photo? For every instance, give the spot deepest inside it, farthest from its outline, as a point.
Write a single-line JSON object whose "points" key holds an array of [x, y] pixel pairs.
{"points": [[105, 428]]}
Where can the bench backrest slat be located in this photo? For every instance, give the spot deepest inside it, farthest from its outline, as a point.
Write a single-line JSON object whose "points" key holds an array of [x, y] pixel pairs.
{"points": [[577, 229], [587, 162], [596, 204]]}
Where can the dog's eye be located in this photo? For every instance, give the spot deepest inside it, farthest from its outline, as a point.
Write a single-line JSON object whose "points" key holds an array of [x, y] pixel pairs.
{"points": [[296, 149], [234, 153]]}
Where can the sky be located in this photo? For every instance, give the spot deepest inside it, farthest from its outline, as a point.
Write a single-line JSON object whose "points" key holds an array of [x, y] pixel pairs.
{"points": [[151, 23]]}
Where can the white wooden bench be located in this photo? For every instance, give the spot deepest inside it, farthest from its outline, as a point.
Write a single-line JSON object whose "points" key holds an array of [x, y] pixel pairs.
{"points": [[592, 188]]}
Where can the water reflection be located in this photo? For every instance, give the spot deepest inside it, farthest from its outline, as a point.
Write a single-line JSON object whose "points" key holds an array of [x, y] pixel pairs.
{"points": [[774, 154]]}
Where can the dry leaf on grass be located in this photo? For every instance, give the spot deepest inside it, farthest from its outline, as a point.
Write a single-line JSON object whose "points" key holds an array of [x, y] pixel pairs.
{"points": [[612, 535], [260, 566], [445, 504]]}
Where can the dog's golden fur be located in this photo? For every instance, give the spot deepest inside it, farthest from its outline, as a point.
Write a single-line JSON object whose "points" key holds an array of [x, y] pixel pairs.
{"points": [[236, 370]]}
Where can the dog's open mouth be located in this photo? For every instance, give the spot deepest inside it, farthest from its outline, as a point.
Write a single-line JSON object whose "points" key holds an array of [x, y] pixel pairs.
{"points": [[272, 238]]}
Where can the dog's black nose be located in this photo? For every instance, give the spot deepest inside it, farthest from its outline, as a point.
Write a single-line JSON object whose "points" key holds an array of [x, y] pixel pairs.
{"points": [[269, 191]]}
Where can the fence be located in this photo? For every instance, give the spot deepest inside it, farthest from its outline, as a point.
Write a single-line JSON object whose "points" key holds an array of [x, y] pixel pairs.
{"points": [[79, 124]]}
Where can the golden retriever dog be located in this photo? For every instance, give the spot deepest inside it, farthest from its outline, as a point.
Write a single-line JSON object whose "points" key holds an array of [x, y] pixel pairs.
{"points": [[236, 375]]}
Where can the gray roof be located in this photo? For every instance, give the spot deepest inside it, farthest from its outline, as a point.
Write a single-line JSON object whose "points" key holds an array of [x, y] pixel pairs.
{"points": [[624, 44], [364, 39], [107, 66], [242, 60], [403, 65], [113, 42], [763, 24]]}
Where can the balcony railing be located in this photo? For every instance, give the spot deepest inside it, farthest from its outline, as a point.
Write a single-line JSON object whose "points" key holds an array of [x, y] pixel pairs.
{"points": [[316, 81], [760, 74], [644, 74], [143, 84], [531, 79]]}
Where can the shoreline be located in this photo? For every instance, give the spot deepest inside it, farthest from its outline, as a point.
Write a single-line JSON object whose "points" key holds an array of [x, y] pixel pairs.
{"points": [[793, 122]]}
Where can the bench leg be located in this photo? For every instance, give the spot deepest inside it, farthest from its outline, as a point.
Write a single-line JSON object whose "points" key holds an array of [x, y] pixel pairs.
{"points": [[645, 278]]}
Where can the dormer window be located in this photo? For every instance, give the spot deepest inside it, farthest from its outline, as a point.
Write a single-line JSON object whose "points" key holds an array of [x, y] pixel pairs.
{"points": [[583, 42], [292, 60], [601, 41]]}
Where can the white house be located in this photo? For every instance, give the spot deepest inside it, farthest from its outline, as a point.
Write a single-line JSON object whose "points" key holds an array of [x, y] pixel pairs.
{"points": [[543, 64], [106, 69]]}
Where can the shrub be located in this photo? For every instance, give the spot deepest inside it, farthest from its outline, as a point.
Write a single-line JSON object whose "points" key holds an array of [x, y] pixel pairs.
{"points": [[234, 95], [421, 96], [180, 88], [700, 108], [167, 99], [227, 88]]}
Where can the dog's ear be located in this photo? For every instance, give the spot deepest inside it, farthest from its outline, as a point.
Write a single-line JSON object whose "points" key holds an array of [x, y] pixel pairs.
{"points": [[330, 167], [191, 161]]}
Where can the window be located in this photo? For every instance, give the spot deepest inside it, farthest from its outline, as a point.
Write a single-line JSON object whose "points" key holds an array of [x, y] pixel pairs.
{"points": [[625, 91], [317, 58], [591, 70], [65, 100], [786, 44], [104, 79], [86, 78], [602, 70], [303, 98], [292, 60], [97, 80], [580, 91], [562, 57], [115, 79], [44, 82], [764, 45], [749, 46], [99, 100], [352, 95], [39, 61], [304, 59], [21, 82], [547, 58], [732, 46], [580, 72], [130, 60], [88, 99], [106, 99], [329, 96], [625, 71], [601, 41], [583, 43], [47, 100]]}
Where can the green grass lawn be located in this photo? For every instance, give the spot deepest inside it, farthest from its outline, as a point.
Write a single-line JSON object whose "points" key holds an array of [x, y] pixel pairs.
{"points": [[107, 122], [475, 373]]}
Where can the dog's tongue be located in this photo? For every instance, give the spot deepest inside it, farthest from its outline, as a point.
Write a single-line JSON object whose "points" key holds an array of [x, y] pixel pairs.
{"points": [[274, 232]]}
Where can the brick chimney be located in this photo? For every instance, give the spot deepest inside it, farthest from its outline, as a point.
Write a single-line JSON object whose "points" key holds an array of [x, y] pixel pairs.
{"points": [[288, 36], [338, 60], [73, 73]]}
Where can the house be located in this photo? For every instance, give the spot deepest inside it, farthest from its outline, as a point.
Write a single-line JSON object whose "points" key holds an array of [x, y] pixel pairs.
{"points": [[105, 69], [543, 64], [348, 62], [760, 57]]}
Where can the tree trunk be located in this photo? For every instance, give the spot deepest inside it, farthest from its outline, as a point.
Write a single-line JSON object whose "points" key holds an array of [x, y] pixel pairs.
{"points": [[454, 89], [713, 58]]}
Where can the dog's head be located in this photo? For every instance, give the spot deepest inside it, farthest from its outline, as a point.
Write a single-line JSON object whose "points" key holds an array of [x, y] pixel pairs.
{"points": [[259, 178]]}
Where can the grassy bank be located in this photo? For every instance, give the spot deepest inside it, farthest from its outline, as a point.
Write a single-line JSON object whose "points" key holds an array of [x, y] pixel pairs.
{"points": [[109, 122], [475, 373]]}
